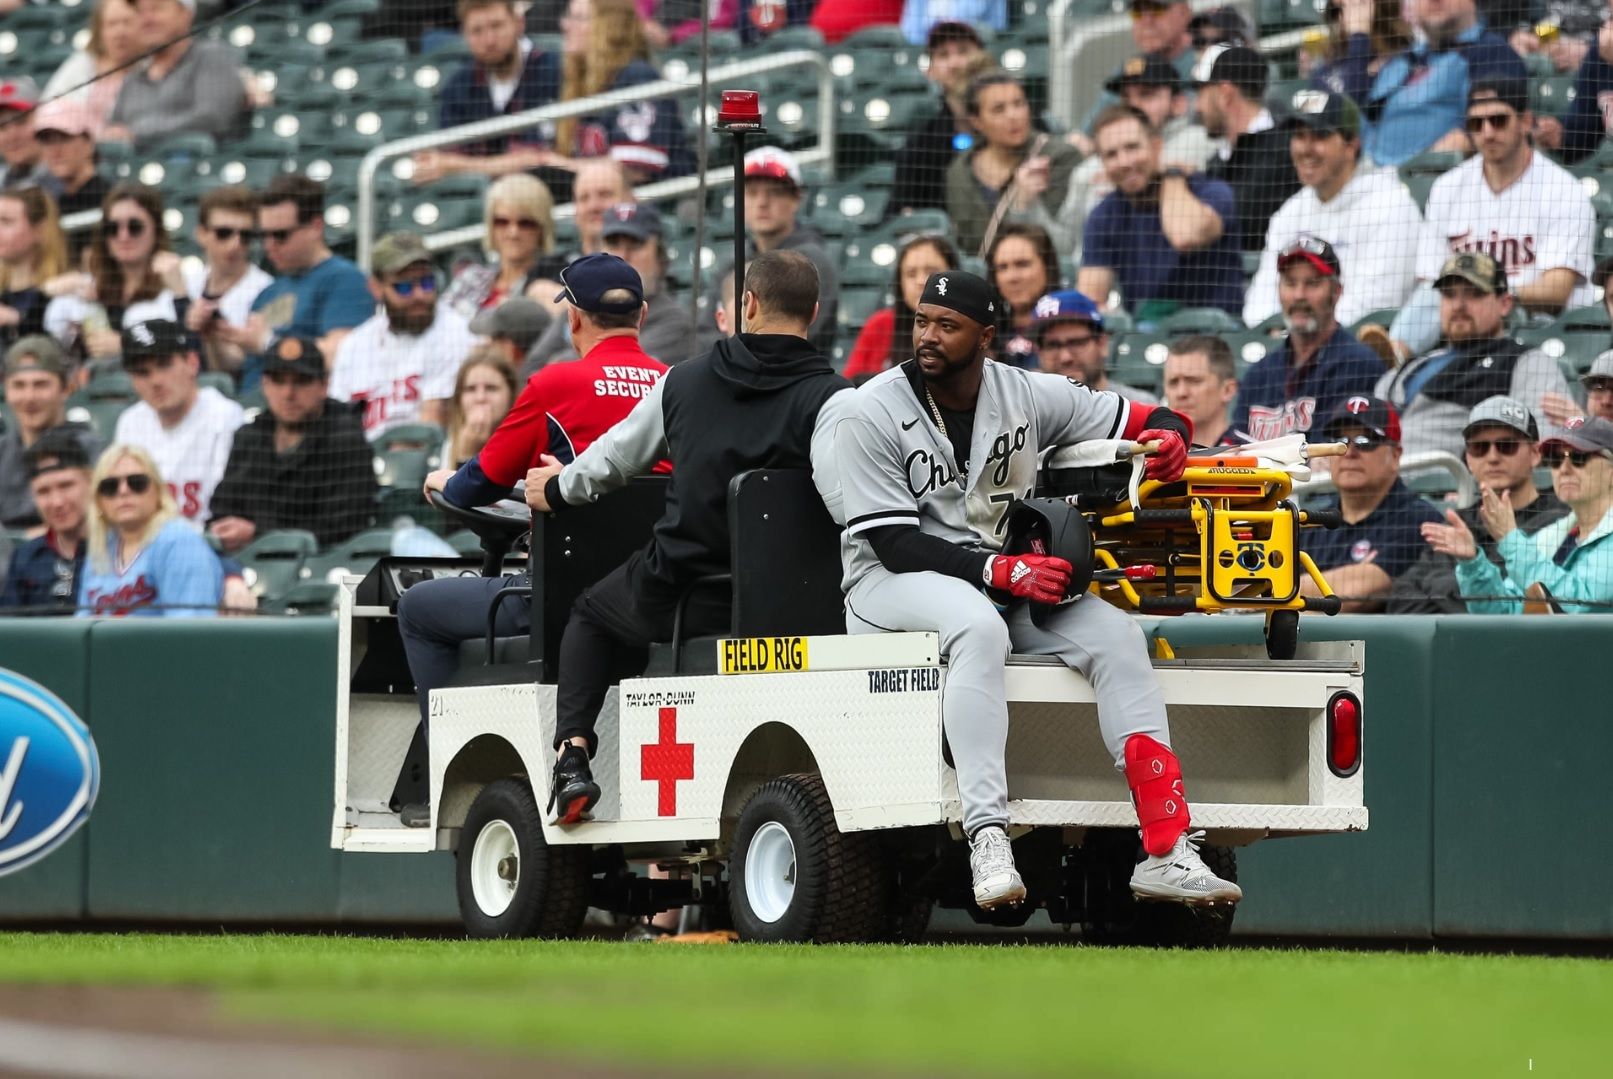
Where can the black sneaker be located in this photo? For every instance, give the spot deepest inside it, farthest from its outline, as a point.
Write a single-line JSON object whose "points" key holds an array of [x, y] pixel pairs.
{"points": [[573, 791]]}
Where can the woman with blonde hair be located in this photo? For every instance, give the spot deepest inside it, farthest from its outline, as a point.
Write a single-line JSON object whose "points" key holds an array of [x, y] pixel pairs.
{"points": [[605, 49], [143, 559], [518, 214], [483, 393], [32, 251], [95, 73], [133, 276]]}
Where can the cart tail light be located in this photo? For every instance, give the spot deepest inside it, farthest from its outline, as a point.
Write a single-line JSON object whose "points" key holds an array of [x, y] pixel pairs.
{"points": [[1344, 734]]}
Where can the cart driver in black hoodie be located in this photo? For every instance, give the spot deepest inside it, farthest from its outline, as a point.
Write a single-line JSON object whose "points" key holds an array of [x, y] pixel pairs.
{"points": [[754, 401]]}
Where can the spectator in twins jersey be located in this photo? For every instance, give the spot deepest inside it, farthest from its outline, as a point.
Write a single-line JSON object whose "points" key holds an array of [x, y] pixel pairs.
{"points": [[1511, 203], [187, 428], [143, 560], [401, 362], [1320, 365]]}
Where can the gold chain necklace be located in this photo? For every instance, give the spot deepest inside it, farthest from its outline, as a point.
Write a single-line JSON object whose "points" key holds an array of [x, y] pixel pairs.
{"points": [[936, 412]]}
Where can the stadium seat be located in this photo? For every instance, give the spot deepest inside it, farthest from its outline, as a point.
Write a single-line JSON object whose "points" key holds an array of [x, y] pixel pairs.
{"points": [[1553, 96], [355, 555], [856, 307], [101, 402], [218, 380], [1250, 347], [1383, 316], [273, 561], [1200, 320], [1139, 360], [880, 244], [406, 453]]}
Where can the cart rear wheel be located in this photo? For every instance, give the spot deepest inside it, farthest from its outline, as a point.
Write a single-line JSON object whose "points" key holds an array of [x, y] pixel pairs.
{"points": [[1282, 634], [794, 876], [511, 883]]}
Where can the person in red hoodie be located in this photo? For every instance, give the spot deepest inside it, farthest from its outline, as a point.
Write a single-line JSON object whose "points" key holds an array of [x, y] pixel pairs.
{"points": [[561, 411], [887, 337]]}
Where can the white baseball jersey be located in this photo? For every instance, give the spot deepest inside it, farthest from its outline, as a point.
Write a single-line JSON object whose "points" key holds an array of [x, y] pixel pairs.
{"points": [[393, 372], [1369, 223], [897, 468], [1543, 221], [236, 303], [192, 454]]}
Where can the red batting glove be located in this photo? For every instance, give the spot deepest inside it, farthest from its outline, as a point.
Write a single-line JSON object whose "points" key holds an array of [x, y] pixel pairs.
{"points": [[1037, 577], [1166, 463]]}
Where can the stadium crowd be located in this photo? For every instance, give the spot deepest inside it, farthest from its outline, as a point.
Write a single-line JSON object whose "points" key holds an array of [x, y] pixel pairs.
{"points": [[1389, 235]]}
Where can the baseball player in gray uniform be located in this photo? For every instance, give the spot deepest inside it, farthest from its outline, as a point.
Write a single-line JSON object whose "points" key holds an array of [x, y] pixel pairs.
{"points": [[930, 456]]}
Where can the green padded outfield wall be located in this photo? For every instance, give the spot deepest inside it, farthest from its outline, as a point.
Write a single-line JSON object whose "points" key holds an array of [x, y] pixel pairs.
{"points": [[216, 742]]}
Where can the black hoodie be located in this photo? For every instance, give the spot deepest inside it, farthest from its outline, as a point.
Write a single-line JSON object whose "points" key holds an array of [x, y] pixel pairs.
{"points": [[751, 402]]}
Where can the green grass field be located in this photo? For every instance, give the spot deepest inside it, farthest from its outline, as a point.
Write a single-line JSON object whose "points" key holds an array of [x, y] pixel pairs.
{"points": [[948, 1009]]}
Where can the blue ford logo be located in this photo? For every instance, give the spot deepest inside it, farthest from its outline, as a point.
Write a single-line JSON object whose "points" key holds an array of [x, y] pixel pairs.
{"points": [[49, 772]]}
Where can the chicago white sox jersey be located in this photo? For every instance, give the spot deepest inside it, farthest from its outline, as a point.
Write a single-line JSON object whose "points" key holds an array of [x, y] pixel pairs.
{"points": [[393, 372], [192, 454], [1543, 221], [896, 467]]}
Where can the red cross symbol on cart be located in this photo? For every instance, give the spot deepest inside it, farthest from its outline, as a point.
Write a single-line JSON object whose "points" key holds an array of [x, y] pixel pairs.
{"points": [[665, 762]]}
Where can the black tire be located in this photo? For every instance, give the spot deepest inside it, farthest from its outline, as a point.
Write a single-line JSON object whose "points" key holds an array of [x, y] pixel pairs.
{"points": [[551, 887], [908, 920], [839, 887], [1115, 916], [1282, 635]]}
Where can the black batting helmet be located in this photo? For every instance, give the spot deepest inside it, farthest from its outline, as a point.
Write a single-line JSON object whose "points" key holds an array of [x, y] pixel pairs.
{"points": [[1052, 526]]}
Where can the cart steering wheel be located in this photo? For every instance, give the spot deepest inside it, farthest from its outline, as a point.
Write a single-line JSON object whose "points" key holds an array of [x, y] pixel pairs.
{"points": [[497, 525]]}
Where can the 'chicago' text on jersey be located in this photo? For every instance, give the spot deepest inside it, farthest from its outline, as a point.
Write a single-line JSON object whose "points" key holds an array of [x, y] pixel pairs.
{"points": [[928, 472]]}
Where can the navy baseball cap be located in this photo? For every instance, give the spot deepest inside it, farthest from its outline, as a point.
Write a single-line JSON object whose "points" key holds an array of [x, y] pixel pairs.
{"points": [[638, 220], [585, 282], [1373, 413], [1150, 70], [1065, 305]]}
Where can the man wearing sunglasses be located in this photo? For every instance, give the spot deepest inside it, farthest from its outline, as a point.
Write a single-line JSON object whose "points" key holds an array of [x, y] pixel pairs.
{"points": [[1511, 203], [1435, 392], [1501, 454], [316, 293], [401, 362], [1378, 540], [224, 286], [1571, 560], [302, 463]]}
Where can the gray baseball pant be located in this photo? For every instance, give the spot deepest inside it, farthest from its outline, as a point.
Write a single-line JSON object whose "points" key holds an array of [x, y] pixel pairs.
{"points": [[1104, 644]]}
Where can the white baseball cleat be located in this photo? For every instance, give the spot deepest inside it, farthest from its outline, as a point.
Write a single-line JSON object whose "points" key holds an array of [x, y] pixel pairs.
{"points": [[1181, 876], [991, 861]]}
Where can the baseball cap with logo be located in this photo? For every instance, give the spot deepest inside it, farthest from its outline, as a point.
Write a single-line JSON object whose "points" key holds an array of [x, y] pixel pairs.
{"points": [[19, 93], [1325, 113], [638, 220], [1502, 411], [1372, 413], [55, 450], [296, 356], [1065, 305], [1150, 70], [772, 163], [1314, 250], [1238, 64], [518, 318], [1477, 269], [156, 339], [36, 352], [1585, 435], [586, 281], [397, 251], [963, 292]]}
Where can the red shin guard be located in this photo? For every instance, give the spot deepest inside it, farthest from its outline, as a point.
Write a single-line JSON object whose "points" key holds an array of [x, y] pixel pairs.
{"points": [[1155, 777]]}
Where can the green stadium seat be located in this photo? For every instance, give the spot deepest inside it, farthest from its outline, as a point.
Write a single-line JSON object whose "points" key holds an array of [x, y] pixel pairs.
{"points": [[886, 38], [406, 453], [1274, 15], [1383, 316], [1553, 96], [218, 380], [373, 51], [854, 203], [796, 37], [355, 555], [305, 598], [880, 244], [1573, 349], [1200, 320], [856, 307], [101, 402], [273, 562], [1251, 346], [1138, 360]]}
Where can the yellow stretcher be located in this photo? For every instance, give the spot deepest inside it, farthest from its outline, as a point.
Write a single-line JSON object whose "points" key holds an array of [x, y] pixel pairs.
{"points": [[1223, 537]]}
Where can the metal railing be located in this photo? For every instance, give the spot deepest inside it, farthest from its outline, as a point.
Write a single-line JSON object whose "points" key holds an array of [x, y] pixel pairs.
{"points": [[821, 153], [1462, 481]]}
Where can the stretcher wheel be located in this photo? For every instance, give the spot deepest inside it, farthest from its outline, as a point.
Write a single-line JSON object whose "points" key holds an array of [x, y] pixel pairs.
{"points": [[1282, 634], [511, 883], [794, 876]]}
